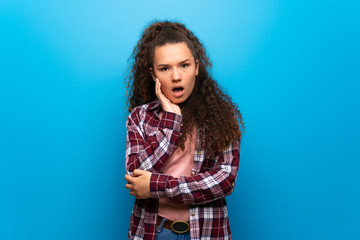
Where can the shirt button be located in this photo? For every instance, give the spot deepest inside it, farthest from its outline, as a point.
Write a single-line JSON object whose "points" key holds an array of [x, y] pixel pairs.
{"points": [[233, 184], [192, 214], [192, 173]]}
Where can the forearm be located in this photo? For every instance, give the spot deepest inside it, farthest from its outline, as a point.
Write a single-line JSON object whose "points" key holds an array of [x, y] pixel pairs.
{"points": [[149, 151], [200, 188]]}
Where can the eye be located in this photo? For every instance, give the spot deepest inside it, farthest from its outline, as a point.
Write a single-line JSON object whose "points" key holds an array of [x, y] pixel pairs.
{"points": [[185, 65], [163, 69]]}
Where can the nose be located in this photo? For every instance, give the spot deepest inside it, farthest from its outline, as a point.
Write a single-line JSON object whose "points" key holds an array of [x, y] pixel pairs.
{"points": [[176, 75]]}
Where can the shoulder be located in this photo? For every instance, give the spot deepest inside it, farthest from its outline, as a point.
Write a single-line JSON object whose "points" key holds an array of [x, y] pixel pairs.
{"points": [[141, 111]]}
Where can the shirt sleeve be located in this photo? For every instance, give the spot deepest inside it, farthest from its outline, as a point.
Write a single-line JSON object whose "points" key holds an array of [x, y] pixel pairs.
{"points": [[201, 188], [149, 151]]}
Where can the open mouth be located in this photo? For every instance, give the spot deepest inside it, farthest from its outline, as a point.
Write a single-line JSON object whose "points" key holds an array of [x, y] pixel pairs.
{"points": [[178, 92], [178, 89]]}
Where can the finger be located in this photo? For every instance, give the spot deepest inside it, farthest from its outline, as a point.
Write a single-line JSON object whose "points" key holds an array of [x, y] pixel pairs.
{"points": [[129, 186], [157, 87], [158, 90], [138, 172], [128, 178]]}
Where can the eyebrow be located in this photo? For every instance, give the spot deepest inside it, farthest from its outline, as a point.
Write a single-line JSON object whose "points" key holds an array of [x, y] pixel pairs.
{"points": [[165, 65]]}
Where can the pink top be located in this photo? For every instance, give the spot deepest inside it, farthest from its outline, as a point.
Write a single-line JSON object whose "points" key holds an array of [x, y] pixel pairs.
{"points": [[179, 163]]}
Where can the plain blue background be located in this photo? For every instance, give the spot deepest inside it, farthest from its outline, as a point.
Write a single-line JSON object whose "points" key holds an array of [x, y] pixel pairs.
{"points": [[291, 66]]}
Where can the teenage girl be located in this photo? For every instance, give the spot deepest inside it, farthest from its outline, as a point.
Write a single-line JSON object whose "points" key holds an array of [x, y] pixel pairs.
{"points": [[183, 139]]}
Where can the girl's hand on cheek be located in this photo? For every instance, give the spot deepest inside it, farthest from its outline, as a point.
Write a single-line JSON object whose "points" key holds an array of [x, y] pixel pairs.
{"points": [[166, 104]]}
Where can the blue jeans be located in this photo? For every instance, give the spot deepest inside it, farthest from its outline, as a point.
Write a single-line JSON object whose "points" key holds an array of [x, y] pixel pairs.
{"points": [[167, 234]]}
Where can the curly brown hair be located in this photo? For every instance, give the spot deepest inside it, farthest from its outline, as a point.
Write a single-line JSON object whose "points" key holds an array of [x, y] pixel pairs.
{"points": [[208, 108]]}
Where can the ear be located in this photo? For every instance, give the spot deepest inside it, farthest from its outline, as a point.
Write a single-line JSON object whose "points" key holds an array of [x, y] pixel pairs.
{"points": [[152, 74], [197, 67]]}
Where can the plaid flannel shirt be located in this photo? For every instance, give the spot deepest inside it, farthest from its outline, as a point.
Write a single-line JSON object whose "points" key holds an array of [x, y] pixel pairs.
{"points": [[150, 142]]}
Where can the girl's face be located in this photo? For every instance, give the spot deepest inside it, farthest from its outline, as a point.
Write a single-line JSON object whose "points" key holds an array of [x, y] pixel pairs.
{"points": [[176, 68]]}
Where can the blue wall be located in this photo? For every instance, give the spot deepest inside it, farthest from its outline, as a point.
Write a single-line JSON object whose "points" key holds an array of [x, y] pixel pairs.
{"points": [[291, 66]]}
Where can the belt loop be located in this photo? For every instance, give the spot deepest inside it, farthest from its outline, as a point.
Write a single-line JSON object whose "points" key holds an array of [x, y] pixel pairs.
{"points": [[161, 224]]}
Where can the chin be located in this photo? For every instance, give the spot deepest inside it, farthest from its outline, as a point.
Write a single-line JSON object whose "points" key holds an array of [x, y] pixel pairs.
{"points": [[177, 101]]}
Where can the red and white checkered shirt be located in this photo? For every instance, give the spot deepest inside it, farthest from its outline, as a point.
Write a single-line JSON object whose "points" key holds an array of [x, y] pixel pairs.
{"points": [[150, 142]]}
